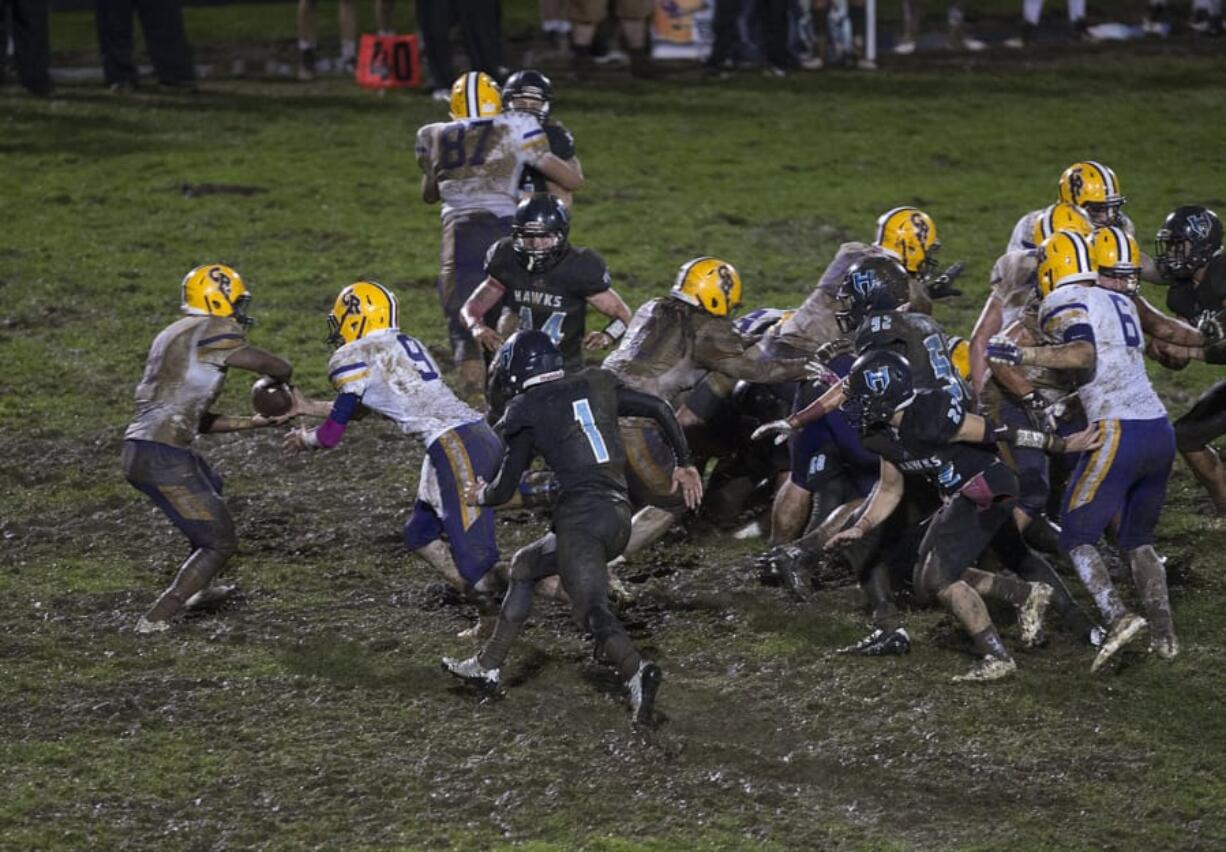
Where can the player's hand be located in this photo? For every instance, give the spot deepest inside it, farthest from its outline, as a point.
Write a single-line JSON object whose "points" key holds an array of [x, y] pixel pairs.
{"points": [[689, 480], [296, 440], [781, 429], [472, 492], [1003, 351], [1036, 412], [1212, 326], [597, 340], [817, 371], [487, 337], [1090, 438], [942, 286], [844, 537]]}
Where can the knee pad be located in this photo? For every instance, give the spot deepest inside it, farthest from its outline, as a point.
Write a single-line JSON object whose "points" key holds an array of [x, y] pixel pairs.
{"points": [[422, 527]]}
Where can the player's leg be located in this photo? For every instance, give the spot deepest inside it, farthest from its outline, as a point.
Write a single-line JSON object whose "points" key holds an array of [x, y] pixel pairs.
{"points": [[1193, 432], [1139, 517], [308, 38], [114, 23], [584, 16], [166, 40], [347, 22], [385, 17], [189, 493]]}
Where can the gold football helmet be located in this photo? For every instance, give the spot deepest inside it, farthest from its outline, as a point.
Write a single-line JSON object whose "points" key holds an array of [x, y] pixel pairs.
{"points": [[1061, 216], [361, 309], [910, 235], [960, 353], [1064, 258], [475, 95], [1117, 255], [709, 283], [216, 290], [1094, 188]]}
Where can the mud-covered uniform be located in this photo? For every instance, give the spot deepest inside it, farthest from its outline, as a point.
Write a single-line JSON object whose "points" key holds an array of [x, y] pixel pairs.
{"points": [[978, 489], [561, 145], [1022, 237], [392, 374], [668, 349], [571, 423], [183, 377], [478, 164], [555, 300], [1127, 475], [1013, 285], [1206, 420]]}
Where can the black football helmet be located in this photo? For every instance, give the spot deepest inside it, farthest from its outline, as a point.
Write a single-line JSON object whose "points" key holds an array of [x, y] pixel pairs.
{"points": [[540, 215], [874, 283], [527, 358], [528, 85], [1187, 240], [878, 385]]}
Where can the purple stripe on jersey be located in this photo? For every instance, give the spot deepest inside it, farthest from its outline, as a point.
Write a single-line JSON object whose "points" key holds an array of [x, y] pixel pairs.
{"points": [[532, 133], [348, 368], [1079, 331], [1070, 306], [206, 341]]}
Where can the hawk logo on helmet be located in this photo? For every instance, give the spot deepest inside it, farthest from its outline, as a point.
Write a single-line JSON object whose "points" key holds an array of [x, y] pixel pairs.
{"points": [[862, 280], [877, 380], [1198, 224]]}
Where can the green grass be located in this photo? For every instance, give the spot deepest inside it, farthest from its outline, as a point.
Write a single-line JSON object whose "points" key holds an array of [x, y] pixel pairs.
{"points": [[312, 713]]}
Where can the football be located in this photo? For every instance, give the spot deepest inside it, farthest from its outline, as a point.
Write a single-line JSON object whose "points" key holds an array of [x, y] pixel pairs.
{"points": [[270, 397]]}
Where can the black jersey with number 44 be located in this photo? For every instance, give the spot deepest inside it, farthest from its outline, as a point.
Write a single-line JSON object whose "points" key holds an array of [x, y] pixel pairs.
{"points": [[571, 423], [919, 339], [553, 301]]}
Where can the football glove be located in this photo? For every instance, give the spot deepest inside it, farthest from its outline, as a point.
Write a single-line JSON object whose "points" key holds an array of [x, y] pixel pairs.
{"points": [[1036, 412], [1002, 350], [1212, 326], [780, 429], [942, 286]]}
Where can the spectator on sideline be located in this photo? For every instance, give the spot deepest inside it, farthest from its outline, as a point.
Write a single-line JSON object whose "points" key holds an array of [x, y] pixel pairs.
{"points": [[632, 15], [960, 38], [308, 36], [554, 23], [481, 29], [31, 43], [1033, 9], [161, 22]]}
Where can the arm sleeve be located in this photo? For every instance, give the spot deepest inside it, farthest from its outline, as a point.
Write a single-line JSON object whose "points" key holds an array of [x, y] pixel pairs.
{"points": [[1066, 321], [593, 275], [632, 403], [514, 463], [422, 149], [330, 432], [720, 348]]}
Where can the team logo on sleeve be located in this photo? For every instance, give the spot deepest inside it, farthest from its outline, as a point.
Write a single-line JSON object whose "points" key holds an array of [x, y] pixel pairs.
{"points": [[877, 380]]}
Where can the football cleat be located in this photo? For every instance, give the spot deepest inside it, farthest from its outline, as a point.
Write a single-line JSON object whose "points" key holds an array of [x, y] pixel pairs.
{"points": [[144, 625], [643, 687], [472, 671], [1166, 647], [480, 631], [988, 668], [880, 643], [1124, 630], [210, 597], [1030, 614]]}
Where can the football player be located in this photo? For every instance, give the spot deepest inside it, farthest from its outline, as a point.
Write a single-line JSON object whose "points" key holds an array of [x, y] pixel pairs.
{"points": [[904, 234], [1088, 308], [183, 376], [532, 92], [570, 420], [379, 367], [929, 433], [1189, 253], [547, 283], [673, 343], [473, 165], [1087, 185]]}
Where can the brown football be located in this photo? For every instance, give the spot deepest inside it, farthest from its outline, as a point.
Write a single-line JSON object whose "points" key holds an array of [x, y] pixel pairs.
{"points": [[270, 397]]}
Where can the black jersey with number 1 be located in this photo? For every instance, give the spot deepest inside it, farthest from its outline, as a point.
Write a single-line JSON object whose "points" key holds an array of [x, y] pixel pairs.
{"points": [[571, 423]]}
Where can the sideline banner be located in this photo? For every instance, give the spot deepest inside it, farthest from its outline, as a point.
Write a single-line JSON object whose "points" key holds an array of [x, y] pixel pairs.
{"points": [[681, 29]]}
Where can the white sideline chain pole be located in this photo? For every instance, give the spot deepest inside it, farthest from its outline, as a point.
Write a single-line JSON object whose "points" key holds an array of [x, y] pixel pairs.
{"points": [[870, 32]]}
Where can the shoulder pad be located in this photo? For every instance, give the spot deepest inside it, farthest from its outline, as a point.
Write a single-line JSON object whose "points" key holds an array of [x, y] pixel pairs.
{"points": [[221, 333], [347, 371]]}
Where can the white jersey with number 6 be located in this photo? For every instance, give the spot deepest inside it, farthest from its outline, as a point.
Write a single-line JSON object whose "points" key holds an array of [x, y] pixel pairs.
{"points": [[1120, 389]]}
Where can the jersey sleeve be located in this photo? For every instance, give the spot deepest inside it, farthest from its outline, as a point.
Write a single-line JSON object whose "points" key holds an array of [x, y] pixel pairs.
{"points": [[219, 338], [498, 260], [531, 140], [934, 417], [561, 141], [424, 149], [591, 275], [348, 372], [1064, 316]]}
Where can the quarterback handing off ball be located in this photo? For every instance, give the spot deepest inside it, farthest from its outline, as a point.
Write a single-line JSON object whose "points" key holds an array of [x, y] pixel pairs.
{"points": [[270, 397]]}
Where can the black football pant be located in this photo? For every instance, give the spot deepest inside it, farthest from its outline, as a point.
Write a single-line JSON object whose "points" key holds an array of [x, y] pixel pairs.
{"points": [[31, 41], [165, 37], [588, 531], [183, 486], [1205, 422]]}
